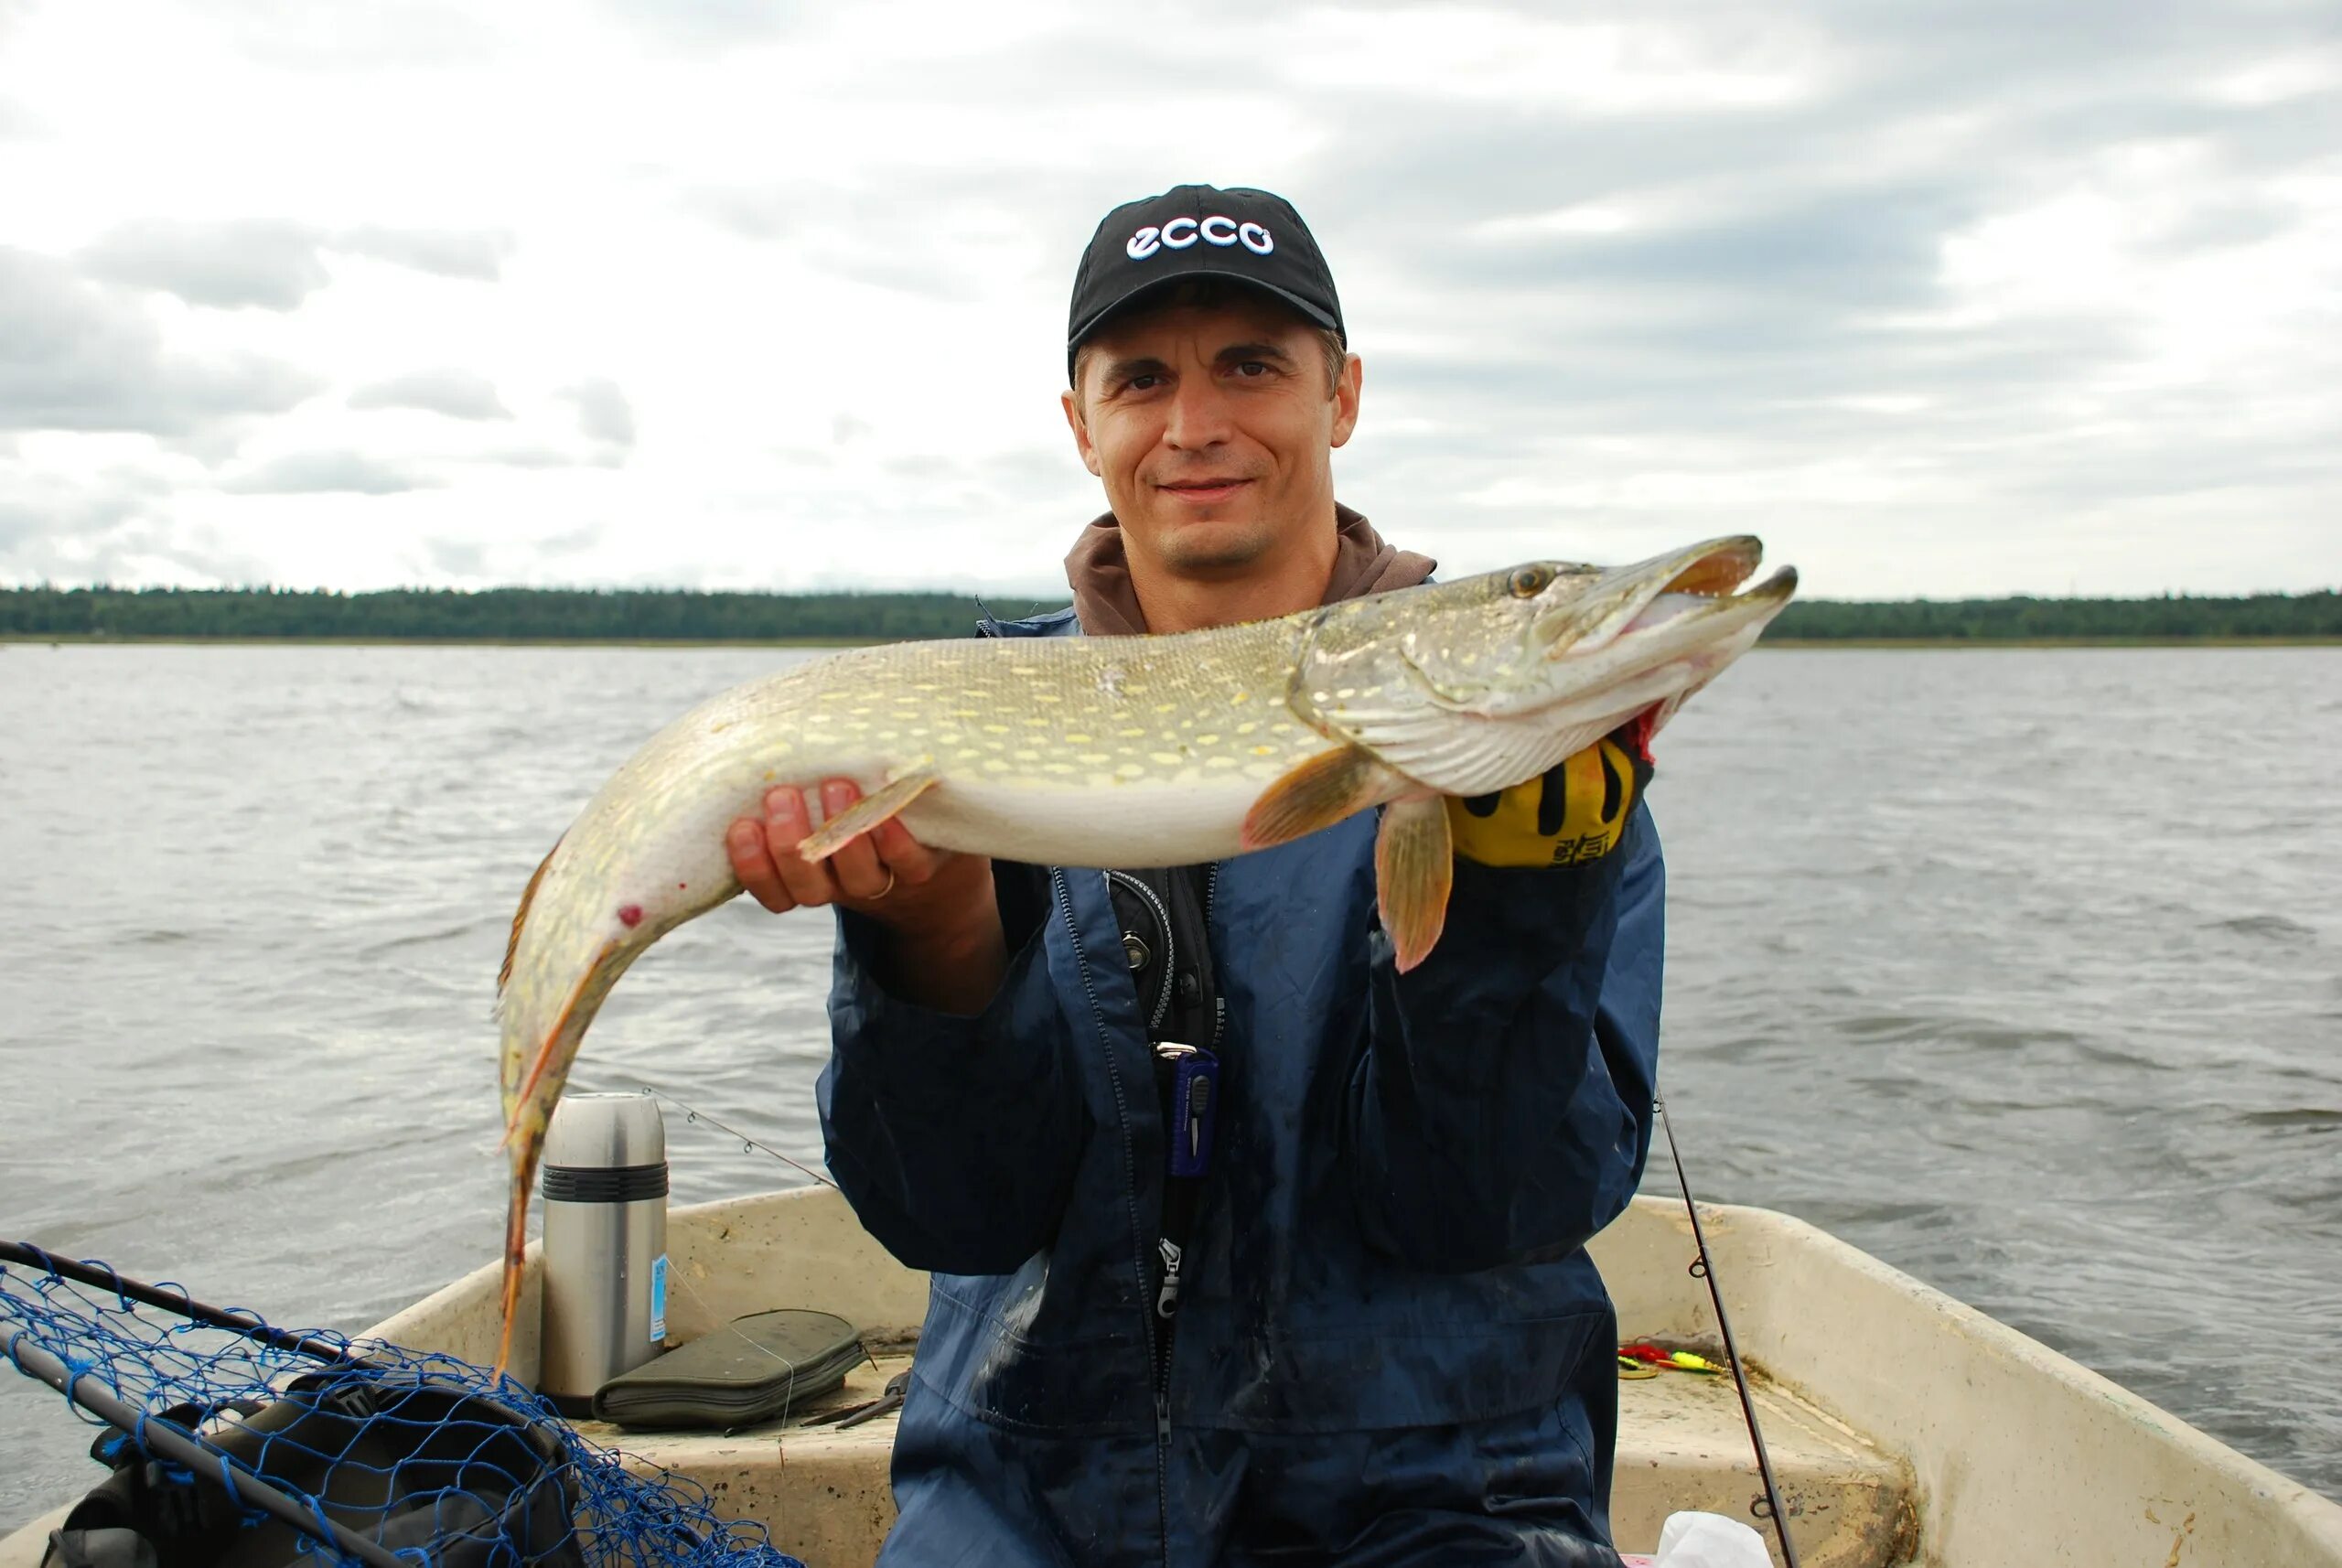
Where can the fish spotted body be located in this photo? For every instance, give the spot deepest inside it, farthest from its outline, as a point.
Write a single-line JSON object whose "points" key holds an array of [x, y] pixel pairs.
{"points": [[1120, 751]]}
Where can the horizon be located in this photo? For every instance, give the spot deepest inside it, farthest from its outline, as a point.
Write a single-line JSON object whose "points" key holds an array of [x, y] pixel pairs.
{"points": [[600, 292], [887, 591]]}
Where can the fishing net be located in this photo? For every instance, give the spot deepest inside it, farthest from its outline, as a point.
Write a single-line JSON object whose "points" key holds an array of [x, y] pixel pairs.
{"points": [[232, 1443]]}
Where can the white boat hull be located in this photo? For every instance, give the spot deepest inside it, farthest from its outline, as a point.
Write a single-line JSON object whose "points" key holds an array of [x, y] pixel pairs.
{"points": [[1905, 1427]]}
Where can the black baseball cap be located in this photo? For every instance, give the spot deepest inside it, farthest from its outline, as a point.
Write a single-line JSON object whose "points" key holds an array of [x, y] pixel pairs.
{"points": [[1198, 232]]}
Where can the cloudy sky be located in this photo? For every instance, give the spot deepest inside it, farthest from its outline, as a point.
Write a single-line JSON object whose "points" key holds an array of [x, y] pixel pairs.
{"points": [[1969, 298]]}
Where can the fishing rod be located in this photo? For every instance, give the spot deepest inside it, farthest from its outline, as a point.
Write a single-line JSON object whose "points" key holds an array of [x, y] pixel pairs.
{"points": [[746, 1142], [1702, 1268]]}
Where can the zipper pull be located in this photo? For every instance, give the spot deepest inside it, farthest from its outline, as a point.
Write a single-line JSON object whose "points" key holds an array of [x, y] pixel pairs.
{"points": [[1166, 1299]]}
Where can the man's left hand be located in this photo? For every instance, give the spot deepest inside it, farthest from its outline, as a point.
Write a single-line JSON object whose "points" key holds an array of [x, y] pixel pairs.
{"points": [[1572, 815]]}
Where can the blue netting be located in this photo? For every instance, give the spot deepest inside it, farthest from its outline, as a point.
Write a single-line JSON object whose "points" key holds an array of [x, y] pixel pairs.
{"points": [[437, 1460]]}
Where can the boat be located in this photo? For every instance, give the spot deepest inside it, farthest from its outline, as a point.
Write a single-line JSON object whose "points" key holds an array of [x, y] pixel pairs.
{"points": [[1904, 1428]]}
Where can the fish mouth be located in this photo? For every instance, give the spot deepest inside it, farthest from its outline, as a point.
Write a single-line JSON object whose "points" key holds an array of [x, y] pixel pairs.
{"points": [[1696, 585]]}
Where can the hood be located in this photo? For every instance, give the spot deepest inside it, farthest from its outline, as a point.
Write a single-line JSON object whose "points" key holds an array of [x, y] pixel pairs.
{"points": [[1107, 605]]}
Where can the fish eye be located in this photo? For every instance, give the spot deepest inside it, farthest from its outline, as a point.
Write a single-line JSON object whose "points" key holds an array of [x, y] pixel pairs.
{"points": [[1528, 582]]}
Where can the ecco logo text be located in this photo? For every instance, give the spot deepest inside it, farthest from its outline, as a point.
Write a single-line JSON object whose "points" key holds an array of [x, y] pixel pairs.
{"points": [[1182, 232]]}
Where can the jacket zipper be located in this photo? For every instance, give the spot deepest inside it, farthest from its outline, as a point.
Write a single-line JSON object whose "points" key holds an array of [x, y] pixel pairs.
{"points": [[1218, 997], [1158, 1328], [1130, 1199], [1169, 971], [1168, 1332]]}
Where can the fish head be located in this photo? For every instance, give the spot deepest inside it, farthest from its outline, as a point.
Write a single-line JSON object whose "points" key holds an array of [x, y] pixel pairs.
{"points": [[1685, 610], [1463, 685]]}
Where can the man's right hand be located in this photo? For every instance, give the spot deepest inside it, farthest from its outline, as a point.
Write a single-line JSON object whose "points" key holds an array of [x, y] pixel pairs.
{"points": [[947, 950]]}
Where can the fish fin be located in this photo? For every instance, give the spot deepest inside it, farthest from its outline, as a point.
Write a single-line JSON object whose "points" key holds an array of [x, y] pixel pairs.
{"points": [[1414, 868], [866, 813], [1317, 794], [521, 916]]}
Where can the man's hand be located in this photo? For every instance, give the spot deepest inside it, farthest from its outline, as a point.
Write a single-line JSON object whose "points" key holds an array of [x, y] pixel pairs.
{"points": [[1569, 815], [947, 950]]}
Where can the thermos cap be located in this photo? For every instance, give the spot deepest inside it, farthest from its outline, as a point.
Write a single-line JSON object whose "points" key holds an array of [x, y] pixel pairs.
{"points": [[601, 1132]]}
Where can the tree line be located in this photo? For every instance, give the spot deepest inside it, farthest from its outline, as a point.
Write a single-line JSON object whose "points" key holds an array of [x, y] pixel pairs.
{"points": [[493, 615], [559, 615], [2171, 617]]}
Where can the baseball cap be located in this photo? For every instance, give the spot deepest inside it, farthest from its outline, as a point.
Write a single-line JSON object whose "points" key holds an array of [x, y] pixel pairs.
{"points": [[1197, 232]]}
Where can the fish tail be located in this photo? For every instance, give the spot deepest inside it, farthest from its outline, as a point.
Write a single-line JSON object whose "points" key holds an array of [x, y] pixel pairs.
{"points": [[516, 1247]]}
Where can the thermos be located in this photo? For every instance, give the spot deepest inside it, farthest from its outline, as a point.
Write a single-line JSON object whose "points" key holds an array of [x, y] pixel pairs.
{"points": [[605, 1244]]}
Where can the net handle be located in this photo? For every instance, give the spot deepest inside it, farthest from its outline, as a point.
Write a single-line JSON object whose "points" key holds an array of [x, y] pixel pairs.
{"points": [[171, 1441], [238, 1321]]}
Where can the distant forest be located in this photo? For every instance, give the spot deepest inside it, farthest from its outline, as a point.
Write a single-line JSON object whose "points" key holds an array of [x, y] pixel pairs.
{"points": [[494, 615], [553, 614]]}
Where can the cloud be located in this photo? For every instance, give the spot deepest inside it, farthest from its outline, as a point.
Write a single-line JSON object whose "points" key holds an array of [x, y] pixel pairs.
{"points": [[470, 562], [271, 263], [74, 356], [604, 414], [1941, 299], [328, 472], [457, 394], [1977, 274], [922, 230], [382, 34], [39, 512], [1867, 247], [477, 255], [524, 457], [705, 24], [114, 526], [455, 558], [243, 261]]}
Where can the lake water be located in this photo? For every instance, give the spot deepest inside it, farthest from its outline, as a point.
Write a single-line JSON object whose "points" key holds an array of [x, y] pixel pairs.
{"points": [[2021, 970]]}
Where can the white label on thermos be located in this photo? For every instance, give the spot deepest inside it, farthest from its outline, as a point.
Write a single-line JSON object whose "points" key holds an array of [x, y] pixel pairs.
{"points": [[659, 1299]]}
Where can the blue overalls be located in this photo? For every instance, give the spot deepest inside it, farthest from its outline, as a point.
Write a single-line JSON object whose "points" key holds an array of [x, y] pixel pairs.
{"points": [[1390, 1347]]}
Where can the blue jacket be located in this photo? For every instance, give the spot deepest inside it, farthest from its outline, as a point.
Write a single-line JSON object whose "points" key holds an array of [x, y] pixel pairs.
{"points": [[1393, 1349]]}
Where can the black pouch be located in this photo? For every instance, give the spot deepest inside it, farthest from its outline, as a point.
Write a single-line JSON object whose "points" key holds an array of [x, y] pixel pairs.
{"points": [[753, 1369], [388, 1454]]}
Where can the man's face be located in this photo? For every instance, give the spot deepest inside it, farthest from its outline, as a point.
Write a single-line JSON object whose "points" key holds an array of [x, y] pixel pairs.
{"points": [[1213, 429]]}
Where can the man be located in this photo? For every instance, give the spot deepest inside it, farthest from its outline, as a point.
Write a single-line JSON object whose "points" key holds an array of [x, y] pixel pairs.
{"points": [[1333, 1307]]}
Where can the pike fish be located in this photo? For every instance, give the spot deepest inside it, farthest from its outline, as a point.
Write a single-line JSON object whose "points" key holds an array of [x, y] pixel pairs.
{"points": [[1121, 751]]}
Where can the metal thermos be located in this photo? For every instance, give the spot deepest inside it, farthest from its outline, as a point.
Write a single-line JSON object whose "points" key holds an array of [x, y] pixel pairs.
{"points": [[605, 1244]]}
